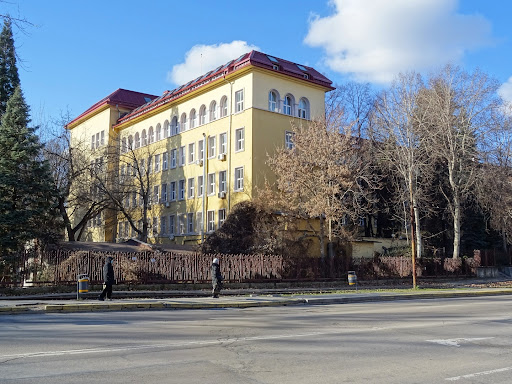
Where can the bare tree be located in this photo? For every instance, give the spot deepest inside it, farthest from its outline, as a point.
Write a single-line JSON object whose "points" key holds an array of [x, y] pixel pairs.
{"points": [[458, 112]]}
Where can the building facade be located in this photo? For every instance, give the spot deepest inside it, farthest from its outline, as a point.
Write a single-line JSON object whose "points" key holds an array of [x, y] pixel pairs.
{"points": [[203, 146]]}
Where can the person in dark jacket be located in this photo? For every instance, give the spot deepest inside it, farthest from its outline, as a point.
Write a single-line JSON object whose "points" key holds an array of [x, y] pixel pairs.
{"points": [[108, 279], [216, 278]]}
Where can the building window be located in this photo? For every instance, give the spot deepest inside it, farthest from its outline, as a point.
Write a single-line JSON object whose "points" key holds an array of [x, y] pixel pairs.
{"points": [[172, 191], [199, 220], [183, 122], [212, 141], [239, 101], [191, 188], [155, 226], [211, 221], [222, 217], [171, 225], [183, 226], [239, 179], [202, 115], [174, 126], [173, 158], [191, 152], [164, 193], [158, 132], [181, 190], [272, 101], [200, 186], [124, 147], [223, 106], [303, 109], [223, 143], [156, 194], [240, 139], [288, 140], [167, 129], [190, 222], [130, 142], [182, 156], [164, 161], [222, 181], [157, 163], [137, 140], [200, 148], [102, 139], [213, 111], [163, 225], [211, 183], [134, 199], [287, 108], [151, 135], [193, 118], [144, 138]]}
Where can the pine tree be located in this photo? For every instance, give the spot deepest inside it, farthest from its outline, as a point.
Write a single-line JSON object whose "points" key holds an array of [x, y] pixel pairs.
{"points": [[9, 78], [27, 206]]}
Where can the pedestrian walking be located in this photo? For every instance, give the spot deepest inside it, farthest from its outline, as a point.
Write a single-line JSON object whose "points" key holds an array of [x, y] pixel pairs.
{"points": [[216, 278], [108, 279]]}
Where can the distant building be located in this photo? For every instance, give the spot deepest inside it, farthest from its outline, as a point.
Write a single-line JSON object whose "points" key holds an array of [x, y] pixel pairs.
{"points": [[208, 141]]}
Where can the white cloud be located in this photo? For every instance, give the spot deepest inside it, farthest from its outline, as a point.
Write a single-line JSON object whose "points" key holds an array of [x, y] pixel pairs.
{"points": [[203, 58], [373, 40], [505, 91]]}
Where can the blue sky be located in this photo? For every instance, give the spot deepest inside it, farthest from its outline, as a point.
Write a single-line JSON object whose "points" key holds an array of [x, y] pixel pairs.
{"points": [[78, 52]]}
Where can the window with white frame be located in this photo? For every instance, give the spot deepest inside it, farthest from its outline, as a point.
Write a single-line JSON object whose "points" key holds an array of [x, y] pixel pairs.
{"points": [[151, 135], [164, 161], [223, 143], [240, 139], [183, 122], [222, 181], [154, 227], [200, 186], [190, 184], [174, 126], [210, 218], [182, 156], [158, 132], [124, 146], [167, 129], [157, 163], [130, 142], [173, 158], [303, 108], [172, 224], [163, 225], [183, 224], [191, 152], [102, 138], [193, 118], [137, 140], [288, 140], [134, 199], [190, 222], [199, 222], [287, 107], [239, 179], [272, 101], [200, 149], [164, 192], [181, 190], [150, 165], [144, 138], [212, 141], [202, 115], [211, 183], [127, 227], [223, 106], [222, 217], [213, 110], [172, 191], [239, 101], [156, 194]]}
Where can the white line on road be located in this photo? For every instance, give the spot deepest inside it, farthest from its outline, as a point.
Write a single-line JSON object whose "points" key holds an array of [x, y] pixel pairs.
{"points": [[455, 342], [471, 375]]}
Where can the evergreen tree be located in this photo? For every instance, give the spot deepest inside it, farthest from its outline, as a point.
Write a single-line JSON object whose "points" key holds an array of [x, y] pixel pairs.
{"points": [[9, 78], [27, 206]]}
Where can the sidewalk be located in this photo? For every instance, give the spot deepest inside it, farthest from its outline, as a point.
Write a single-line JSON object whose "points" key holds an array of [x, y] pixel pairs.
{"points": [[230, 299]]}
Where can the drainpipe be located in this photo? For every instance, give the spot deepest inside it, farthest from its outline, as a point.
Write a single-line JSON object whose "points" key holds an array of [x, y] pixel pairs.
{"points": [[228, 176]]}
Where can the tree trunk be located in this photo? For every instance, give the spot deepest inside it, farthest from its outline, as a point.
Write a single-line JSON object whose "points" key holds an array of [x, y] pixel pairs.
{"points": [[322, 236], [419, 242], [456, 226]]}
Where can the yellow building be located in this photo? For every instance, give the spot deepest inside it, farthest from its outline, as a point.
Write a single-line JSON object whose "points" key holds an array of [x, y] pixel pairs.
{"points": [[205, 144]]}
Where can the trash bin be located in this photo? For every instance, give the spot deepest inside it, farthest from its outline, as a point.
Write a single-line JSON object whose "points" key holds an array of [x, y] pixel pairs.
{"points": [[352, 278], [82, 286]]}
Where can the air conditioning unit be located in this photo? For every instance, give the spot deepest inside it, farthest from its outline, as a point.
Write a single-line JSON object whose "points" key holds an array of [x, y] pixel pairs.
{"points": [[222, 195], [222, 156], [199, 162]]}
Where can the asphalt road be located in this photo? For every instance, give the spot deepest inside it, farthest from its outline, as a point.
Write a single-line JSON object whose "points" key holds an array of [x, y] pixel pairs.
{"points": [[465, 340]]}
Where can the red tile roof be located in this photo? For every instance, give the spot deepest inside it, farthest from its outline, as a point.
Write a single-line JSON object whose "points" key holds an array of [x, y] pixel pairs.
{"points": [[255, 58], [122, 97]]}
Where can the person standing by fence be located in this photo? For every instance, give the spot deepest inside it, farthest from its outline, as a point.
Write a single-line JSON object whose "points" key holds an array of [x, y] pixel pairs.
{"points": [[216, 278], [108, 279]]}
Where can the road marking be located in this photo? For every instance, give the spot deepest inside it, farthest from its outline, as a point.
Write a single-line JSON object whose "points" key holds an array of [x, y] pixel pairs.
{"points": [[471, 375], [455, 342]]}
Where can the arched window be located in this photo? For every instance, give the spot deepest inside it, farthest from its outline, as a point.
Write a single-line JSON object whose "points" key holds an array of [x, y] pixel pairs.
{"points": [[130, 142], [144, 138], [202, 115], [183, 122], [158, 132], [151, 136], [213, 110], [272, 101], [137, 140], [167, 132], [223, 106], [288, 105], [304, 108], [193, 118], [124, 148], [174, 126]]}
